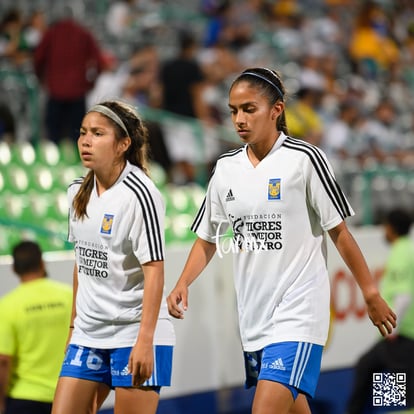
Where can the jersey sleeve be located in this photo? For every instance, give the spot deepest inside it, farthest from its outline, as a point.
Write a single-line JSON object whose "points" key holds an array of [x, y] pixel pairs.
{"points": [[147, 227], [211, 223], [323, 191]]}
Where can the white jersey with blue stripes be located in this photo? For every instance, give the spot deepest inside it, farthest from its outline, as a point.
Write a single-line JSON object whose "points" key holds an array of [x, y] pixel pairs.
{"points": [[279, 212], [124, 229]]}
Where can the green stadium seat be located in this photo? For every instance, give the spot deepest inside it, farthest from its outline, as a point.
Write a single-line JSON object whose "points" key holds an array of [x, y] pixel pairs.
{"points": [[15, 206], [47, 153], [66, 174], [158, 174], [3, 181], [5, 154], [40, 205], [42, 178], [177, 199], [17, 179], [9, 237], [56, 240], [179, 230], [58, 206], [197, 194], [23, 153], [69, 154]]}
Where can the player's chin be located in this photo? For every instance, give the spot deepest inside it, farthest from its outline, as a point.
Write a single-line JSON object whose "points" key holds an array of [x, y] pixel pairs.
{"points": [[87, 163]]}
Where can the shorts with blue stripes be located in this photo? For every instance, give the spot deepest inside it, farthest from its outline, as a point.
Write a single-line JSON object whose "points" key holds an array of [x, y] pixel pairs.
{"points": [[110, 366], [296, 365]]}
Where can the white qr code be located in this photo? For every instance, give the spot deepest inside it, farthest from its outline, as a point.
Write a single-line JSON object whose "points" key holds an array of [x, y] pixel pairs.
{"points": [[389, 389]]}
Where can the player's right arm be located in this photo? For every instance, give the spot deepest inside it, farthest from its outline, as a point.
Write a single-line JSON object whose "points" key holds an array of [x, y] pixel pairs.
{"points": [[5, 369], [199, 257]]}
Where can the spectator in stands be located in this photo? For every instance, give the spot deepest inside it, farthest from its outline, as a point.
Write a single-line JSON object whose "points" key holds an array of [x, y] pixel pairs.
{"points": [[7, 123], [13, 45], [302, 116], [67, 61], [120, 17], [340, 137], [110, 82], [142, 88], [383, 141], [34, 324], [395, 352], [35, 28], [183, 84], [372, 49]]}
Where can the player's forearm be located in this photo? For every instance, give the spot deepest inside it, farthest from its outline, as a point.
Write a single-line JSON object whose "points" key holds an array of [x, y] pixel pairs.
{"points": [[153, 291], [355, 261], [75, 291]]}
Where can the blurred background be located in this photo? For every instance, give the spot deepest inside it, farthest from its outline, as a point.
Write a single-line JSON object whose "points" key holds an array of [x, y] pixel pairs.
{"points": [[349, 70]]}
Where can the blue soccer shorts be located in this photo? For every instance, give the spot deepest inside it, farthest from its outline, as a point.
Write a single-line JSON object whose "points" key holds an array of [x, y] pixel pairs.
{"points": [[110, 366], [296, 365]]}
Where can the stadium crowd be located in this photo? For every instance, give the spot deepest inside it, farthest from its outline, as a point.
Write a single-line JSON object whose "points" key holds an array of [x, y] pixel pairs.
{"points": [[347, 64]]}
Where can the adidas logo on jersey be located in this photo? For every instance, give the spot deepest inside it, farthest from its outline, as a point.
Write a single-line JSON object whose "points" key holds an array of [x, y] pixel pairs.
{"points": [[230, 196], [278, 364]]}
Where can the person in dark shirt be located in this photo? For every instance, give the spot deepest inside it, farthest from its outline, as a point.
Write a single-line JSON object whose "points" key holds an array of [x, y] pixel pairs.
{"points": [[183, 84], [67, 62]]}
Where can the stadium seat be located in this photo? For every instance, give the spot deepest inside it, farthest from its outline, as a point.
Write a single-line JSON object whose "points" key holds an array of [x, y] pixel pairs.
{"points": [[69, 152], [178, 200], [9, 237], [66, 174], [3, 181], [15, 205], [42, 178], [5, 154], [180, 228], [158, 174], [47, 153], [17, 179], [23, 153]]}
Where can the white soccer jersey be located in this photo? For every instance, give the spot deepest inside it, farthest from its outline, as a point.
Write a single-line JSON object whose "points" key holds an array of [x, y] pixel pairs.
{"points": [[279, 212], [124, 229]]}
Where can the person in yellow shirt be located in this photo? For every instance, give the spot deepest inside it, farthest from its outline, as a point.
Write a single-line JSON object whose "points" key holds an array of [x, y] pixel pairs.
{"points": [[302, 116], [371, 47], [34, 321]]}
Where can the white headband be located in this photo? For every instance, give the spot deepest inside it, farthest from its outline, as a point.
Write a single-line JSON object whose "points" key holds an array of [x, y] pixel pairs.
{"points": [[110, 114]]}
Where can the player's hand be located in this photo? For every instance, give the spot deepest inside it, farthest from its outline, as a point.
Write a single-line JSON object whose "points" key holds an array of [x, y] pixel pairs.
{"points": [[177, 301], [381, 315], [141, 363]]}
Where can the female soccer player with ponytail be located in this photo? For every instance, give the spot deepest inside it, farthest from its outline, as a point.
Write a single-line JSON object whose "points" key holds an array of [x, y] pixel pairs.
{"points": [[121, 335], [281, 198]]}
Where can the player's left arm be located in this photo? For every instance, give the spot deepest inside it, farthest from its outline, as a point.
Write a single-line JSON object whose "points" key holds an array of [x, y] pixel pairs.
{"points": [[141, 360], [381, 315]]}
